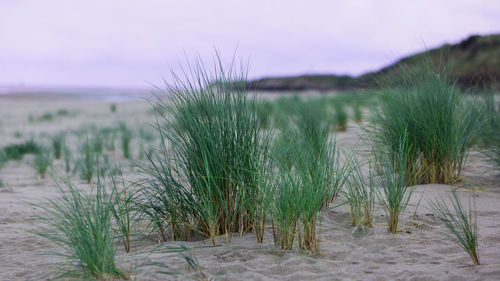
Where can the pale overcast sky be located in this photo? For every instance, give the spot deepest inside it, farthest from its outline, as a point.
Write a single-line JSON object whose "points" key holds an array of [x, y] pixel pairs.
{"points": [[131, 43]]}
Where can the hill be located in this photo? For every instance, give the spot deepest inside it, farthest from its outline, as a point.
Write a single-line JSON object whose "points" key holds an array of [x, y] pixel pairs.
{"points": [[474, 61]]}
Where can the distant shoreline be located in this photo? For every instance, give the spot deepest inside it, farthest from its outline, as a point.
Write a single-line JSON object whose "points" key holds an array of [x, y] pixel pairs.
{"points": [[23, 94]]}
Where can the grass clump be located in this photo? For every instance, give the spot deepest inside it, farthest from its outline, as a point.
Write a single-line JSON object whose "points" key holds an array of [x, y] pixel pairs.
{"points": [[461, 223], [357, 113], [18, 150], [48, 116], [90, 153], [205, 177], [308, 178], [122, 202], [42, 162], [125, 137], [67, 159], [58, 144], [340, 119], [81, 225], [395, 192], [360, 194], [491, 129], [301, 191], [439, 123]]}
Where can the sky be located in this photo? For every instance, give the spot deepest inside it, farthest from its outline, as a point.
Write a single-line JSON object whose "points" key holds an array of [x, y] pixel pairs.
{"points": [[135, 43]]}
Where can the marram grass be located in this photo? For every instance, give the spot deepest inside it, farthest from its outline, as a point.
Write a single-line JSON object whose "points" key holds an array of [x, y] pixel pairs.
{"points": [[42, 162], [305, 183], [460, 223], [81, 226], [395, 193], [441, 125], [205, 176], [360, 194]]}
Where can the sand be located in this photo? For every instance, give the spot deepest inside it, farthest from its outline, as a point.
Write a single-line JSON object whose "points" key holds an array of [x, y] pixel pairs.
{"points": [[419, 251]]}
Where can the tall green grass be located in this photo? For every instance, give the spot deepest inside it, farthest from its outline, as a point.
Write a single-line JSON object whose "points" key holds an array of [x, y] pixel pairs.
{"points": [[90, 152], [125, 138], [360, 194], [67, 159], [58, 144], [395, 192], [306, 181], [122, 201], [461, 223], [42, 162], [491, 129], [16, 151], [206, 176], [441, 125], [81, 226], [340, 117]]}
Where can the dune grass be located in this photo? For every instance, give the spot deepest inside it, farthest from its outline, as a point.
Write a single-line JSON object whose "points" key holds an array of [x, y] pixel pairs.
{"points": [[122, 201], [90, 151], [16, 151], [357, 113], [81, 226], [58, 144], [395, 192], [125, 138], [42, 162], [204, 178], [360, 194], [308, 177], [67, 159], [460, 223], [440, 124], [301, 191], [340, 117], [490, 132]]}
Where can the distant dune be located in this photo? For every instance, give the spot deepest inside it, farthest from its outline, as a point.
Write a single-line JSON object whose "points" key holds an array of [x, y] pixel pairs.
{"points": [[474, 61]]}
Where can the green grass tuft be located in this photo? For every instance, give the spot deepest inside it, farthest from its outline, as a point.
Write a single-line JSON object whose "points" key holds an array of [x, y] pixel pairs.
{"points": [[205, 176], [81, 226], [461, 223], [440, 125], [42, 162]]}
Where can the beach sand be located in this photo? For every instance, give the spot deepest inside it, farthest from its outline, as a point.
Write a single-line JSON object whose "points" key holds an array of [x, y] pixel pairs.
{"points": [[419, 251]]}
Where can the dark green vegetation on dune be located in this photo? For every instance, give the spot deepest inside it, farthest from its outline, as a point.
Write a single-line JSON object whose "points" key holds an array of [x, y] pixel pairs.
{"points": [[473, 62]]}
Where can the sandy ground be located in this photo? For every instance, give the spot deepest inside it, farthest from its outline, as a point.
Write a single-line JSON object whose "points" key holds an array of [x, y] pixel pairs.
{"points": [[418, 251]]}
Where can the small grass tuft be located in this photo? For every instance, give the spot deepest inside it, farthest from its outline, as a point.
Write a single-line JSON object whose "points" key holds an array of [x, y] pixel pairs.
{"points": [[42, 162], [461, 223], [81, 225], [395, 192], [58, 144]]}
